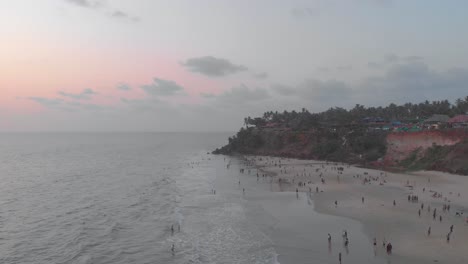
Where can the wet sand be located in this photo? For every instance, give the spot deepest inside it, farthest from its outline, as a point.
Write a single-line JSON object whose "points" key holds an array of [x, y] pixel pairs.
{"points": [[399, 224]]}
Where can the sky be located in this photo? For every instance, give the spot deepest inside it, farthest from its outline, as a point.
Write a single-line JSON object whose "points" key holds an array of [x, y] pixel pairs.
{"points": [[204, 65]]}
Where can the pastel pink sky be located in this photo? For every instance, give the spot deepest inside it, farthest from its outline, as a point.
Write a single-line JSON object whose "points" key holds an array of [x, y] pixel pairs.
{"points": [[37, 67], [249, 57]]}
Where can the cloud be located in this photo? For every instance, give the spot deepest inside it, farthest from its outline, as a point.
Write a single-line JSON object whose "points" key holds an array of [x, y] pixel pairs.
{"points": [[391, 58], [413, 58], [243, 94], [323, 69], [303, 12], [60, 104], [84, 95], [90, 107], [122, 15], [261, 75], [47, 102], [324, 91], [85, 3], [283, 89], [344, 68], [213, 67], [374, 65], [161, 87], [316, 91], [207, 95], [99, 4], [124, 87], [415, 81]]}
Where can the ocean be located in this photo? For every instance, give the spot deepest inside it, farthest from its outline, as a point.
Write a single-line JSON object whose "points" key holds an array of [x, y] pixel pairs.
{"points": [[122, 197]]}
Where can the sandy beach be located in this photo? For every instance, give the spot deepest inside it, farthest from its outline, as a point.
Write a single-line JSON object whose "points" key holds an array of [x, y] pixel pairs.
{"points": [[379, 200]]}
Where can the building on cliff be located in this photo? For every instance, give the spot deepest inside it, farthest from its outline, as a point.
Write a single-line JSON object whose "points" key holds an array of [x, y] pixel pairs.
{"points": [[436, 121], [458, 121]]}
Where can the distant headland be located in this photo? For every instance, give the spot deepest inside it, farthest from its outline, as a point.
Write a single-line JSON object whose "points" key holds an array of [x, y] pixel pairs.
{"points": [[424, 136]]}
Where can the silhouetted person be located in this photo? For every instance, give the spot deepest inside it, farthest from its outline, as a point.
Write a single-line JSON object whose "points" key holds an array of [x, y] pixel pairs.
{"points": [[419, 212], [173, 249], [362, 199], [389, 248], [429, 231], [339, 257], [451, 228], [394, 203], [329, 238]]}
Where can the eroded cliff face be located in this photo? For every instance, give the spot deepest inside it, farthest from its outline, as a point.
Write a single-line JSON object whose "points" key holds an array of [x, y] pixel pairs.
{"points": [[443, 150], [400, 145]]}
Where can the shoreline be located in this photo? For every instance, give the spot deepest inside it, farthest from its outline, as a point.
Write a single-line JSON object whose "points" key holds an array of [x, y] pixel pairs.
{"points": [[399, 224], [390, 169]]}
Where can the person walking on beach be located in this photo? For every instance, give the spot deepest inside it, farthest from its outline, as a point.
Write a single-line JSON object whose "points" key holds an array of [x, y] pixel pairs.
{"points": [[329, 238], [336, 203], [448, 237], [339, 257], [173, 249], [451, 228], [394, 202], [389, 248], [429, 231], [362, 199], [419, 212]]}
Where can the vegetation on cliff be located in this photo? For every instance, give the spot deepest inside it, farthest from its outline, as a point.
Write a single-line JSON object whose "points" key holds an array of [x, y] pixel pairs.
{"points": [[452, 159], [339, 134]]}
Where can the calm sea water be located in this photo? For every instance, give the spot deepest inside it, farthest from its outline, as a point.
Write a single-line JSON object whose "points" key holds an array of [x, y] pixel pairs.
{"points": [[112, 198]]}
